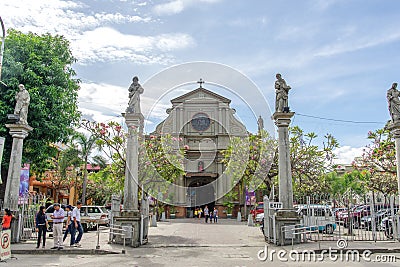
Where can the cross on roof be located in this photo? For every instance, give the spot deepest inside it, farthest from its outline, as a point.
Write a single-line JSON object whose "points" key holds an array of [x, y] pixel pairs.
{"points": [[201, 82]]}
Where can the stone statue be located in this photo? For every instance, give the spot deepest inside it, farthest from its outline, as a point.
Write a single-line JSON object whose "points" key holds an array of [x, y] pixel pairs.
{"points": [[282, 94], [394, 102], [22, 99], [260, 123], [134, 96]]}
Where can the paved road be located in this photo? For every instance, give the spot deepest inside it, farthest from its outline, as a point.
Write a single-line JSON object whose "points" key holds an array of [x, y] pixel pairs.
{"points": [[187, 242]]}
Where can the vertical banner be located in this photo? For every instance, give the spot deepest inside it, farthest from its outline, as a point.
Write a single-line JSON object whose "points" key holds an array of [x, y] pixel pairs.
{"points": [[250, 197], [23, 184], [5, 245], [2, 141]]}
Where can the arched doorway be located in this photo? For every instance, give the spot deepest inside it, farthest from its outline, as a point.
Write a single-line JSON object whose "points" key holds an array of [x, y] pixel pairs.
{"points": [[199, 195]]}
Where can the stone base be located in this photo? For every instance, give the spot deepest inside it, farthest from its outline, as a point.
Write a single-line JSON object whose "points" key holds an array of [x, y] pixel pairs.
{"points": [[284, 217], [129, 220]]}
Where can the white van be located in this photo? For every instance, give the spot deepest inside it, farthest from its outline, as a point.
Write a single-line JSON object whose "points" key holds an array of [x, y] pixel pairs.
{"points": [[317, 216]]}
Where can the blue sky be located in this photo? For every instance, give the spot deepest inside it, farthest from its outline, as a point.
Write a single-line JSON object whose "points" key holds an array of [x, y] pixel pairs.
{"points": [[339, 56]]}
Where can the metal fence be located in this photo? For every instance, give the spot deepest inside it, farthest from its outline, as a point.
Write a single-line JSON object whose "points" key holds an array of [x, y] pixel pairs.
{"points": [[28, 206], [370, 217]]}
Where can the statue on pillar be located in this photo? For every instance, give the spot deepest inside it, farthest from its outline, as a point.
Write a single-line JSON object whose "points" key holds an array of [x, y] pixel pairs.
{"points": [[282, 94], [22, 99], [135, 89], [394, 102], [260, 123]]}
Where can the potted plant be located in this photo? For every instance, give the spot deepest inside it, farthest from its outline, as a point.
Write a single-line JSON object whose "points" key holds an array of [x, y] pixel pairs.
{"points": [[172, 211], [229, 207], [229, 203]]}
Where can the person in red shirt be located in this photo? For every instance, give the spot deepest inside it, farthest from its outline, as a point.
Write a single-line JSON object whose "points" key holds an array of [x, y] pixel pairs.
{"points": [[6, 223]]}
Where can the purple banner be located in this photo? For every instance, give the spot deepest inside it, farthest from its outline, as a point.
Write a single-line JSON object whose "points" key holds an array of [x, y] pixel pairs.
{"points": [[250, 197], [24, 181]]}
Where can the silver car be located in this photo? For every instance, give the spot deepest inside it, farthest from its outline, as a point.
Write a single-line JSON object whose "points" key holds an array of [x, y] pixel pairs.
{"points": [[99, 213]]}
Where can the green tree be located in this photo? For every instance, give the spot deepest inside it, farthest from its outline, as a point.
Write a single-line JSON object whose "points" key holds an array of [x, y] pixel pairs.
{"points": [[379, 161], [85, 145], [43, 64], [254, 161], [309, 162]]}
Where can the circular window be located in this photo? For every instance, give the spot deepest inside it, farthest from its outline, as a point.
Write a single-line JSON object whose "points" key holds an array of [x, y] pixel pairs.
{"points": [[200, 122]]}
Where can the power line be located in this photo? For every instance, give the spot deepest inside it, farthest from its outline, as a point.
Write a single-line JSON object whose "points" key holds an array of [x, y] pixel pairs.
{"points": [[347, 121]]}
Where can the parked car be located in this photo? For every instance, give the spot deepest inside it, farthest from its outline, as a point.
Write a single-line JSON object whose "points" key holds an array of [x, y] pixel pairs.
{"points": [[366, 221], [99, 213], [317, 217], [49, 211], [338, 211], [257, 209], [387, 227], [90, 216], [259, 217], [359, 212]]}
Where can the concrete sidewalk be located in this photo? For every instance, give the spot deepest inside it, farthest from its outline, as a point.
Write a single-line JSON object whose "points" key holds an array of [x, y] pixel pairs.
{"points": [[192, 233], [89, 245]]}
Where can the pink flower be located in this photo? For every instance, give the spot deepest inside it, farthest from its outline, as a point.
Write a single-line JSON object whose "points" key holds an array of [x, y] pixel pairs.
{"points": [[152, 137], [186, 147]]}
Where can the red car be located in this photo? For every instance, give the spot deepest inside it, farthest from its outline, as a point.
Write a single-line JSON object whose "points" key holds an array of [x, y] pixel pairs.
{"points": [[258, 209]]}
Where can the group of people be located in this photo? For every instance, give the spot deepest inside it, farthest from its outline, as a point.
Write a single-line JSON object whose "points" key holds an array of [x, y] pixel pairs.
{"points": [[212, 215], [72, 225]]}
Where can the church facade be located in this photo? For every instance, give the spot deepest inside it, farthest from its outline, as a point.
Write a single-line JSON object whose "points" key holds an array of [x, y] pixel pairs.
{"points": [[204, 122]]}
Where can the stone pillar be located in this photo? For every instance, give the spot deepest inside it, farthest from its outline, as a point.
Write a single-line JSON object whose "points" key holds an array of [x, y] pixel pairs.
{"points": [[282, 121], [18, 132], [394, 127], [134, 121], [130, 218]]}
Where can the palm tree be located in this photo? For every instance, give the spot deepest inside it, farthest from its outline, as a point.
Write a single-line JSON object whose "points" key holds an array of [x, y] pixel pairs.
{"points": [[85, 146]]}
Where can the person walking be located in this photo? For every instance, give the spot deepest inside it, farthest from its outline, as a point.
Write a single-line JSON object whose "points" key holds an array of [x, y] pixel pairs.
{"points": [[200, 212], [196, 212], [68, 224], [7, 218], [206, 214], [76, 225], [41, 226], [58, 219], [215, 215]]}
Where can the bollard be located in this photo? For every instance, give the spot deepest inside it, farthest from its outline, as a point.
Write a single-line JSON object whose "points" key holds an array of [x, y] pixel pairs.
{"points": [[98, 236], [250, 220], [153, 221], [239, 217]]}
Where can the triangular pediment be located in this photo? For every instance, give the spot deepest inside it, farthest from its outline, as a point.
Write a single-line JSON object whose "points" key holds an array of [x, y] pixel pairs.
{"points": [[200, 93]]}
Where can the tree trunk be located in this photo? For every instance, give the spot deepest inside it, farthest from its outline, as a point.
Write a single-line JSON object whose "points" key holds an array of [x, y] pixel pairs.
{"points": [[84, 183]]}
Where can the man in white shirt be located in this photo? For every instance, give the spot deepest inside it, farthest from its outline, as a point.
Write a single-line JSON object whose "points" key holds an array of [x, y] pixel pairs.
{"points": [[76, 225], [58, 219]]}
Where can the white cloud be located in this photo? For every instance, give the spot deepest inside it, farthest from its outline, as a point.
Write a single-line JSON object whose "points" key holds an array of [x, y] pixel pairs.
{"points": [[346, 154], [357, 43], [92, 37], [177, 6], [104, 102], [170, 8], [107, 44]]}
